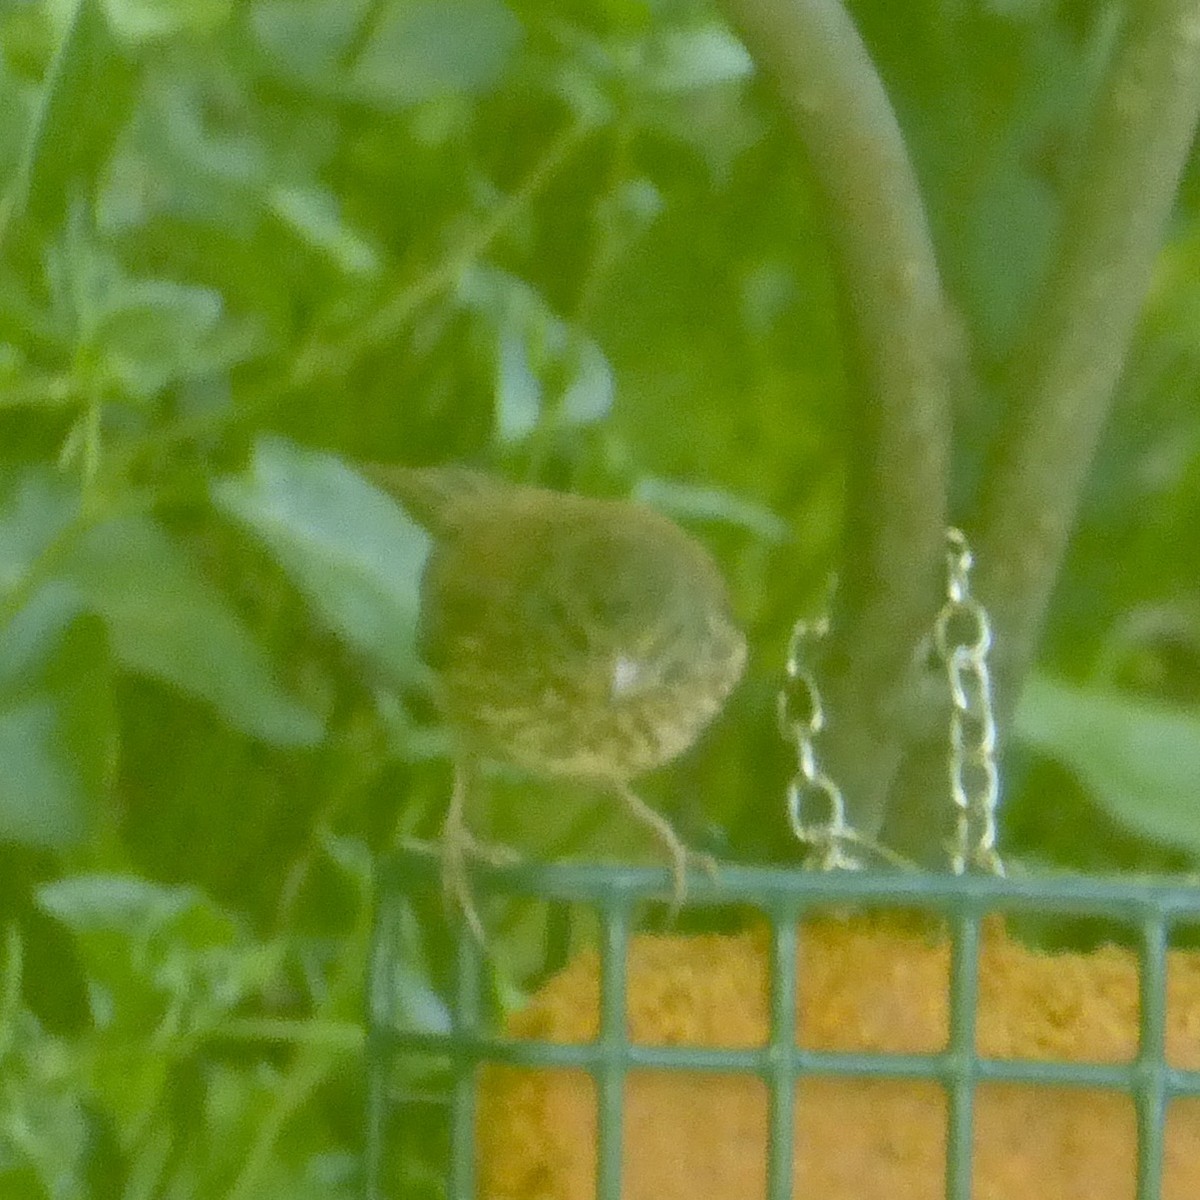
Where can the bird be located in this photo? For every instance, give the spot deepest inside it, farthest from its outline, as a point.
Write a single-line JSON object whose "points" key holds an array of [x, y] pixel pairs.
{"points": [[574, 638]]}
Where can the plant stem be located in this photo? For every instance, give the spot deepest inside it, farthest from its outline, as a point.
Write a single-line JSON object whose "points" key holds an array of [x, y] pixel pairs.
{"points": [[905, 351], [1063, 375], [320, 360]]}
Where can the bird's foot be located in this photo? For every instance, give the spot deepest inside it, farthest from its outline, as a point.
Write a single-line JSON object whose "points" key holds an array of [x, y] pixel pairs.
{"points": [[681, 855], [458, 847]]}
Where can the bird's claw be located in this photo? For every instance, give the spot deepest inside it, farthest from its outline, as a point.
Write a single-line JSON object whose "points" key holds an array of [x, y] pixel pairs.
{"points": [[682, 857], [458, 846]]}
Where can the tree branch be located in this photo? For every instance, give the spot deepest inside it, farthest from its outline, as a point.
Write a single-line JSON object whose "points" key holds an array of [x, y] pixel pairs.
{"points": [[904, 347], [1063, 375]]}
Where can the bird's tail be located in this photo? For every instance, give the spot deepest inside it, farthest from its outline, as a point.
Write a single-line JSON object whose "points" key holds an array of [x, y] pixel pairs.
{"points": [[435, 497]]}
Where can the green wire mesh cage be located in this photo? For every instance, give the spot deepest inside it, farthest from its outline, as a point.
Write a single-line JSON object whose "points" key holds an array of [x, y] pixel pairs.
{"points": [[425, 1059]]}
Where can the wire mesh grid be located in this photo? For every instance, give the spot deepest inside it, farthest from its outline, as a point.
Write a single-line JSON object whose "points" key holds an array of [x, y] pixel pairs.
{"points": [[1149, 908]]}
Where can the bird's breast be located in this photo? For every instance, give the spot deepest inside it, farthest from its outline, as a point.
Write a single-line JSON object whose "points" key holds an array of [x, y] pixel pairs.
{"points": [[617, 719]]}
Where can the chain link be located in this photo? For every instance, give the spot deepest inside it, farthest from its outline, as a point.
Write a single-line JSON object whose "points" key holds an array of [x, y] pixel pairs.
{"points": [[963, 638], [816, 807]]}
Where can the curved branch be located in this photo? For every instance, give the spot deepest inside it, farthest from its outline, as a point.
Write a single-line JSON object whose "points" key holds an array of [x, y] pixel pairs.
{"points": [[1064, 375], [904, 345]]}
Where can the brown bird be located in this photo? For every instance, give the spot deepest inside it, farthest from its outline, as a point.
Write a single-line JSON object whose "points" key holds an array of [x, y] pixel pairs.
{"points": [[574, 638]]}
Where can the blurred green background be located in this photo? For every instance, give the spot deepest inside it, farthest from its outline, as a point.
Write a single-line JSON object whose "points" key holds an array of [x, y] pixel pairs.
{"points": [[244, 244]]}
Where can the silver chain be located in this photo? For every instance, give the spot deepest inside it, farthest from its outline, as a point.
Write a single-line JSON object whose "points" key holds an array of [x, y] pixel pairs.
{"points": [[816, 806], [963, 638]]}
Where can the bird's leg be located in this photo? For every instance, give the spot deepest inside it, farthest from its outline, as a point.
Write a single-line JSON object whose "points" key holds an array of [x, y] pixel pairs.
{"points": [[669, 838], [458, 843]]}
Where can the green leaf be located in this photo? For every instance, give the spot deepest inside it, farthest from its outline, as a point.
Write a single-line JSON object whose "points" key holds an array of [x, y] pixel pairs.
{"points": [[37, 507], [71, 135], [131, 905], [590, 390], [687, 60], [351, 550], [58, 727], [425, 50], [711, 504], [156, 950], [313, 215], [532, 343], [518, 391], [140, 21], [21, 1182], [1140, 760], [17, 101], [406, 992], [140, 334], [42, 801], [167, 622], [154, 332], [33, 632], [307, 40], [178, 162], [57, 724]]}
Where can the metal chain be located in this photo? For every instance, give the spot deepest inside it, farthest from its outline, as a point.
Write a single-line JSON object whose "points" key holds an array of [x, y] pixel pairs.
{"points": [[963, 638], [816, 807]]}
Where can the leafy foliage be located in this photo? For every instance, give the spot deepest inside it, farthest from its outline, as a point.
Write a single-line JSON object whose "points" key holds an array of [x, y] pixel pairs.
{"points": [[246, 244]]}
